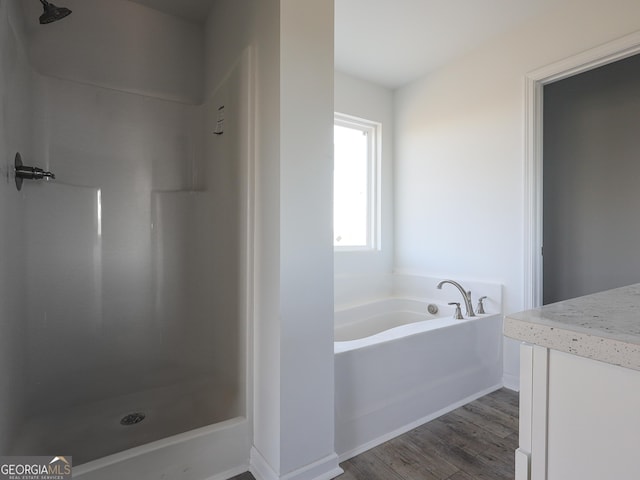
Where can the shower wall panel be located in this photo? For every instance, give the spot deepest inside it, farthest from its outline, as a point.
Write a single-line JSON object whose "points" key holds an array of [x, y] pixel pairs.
{"points": [[15, 124], [110, 152], [228, 171], [64, 288], [120, 45], [183, 236]]}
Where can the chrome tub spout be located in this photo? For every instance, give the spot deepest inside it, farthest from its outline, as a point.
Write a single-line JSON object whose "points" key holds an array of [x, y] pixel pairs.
{"points": [[465, 295]]}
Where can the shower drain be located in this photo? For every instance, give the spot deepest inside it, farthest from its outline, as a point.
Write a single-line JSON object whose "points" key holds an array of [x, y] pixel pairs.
{"points": [[132, 418]]}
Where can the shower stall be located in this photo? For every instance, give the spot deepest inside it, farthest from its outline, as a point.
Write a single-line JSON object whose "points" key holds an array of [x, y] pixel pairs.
{"points": [[125, 279]]}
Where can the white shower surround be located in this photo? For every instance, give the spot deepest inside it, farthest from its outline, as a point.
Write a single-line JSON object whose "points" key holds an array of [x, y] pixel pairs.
{"points": [[140, 143]]}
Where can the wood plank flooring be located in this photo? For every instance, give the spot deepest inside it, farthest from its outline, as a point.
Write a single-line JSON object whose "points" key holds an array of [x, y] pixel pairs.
{"points": [[245, 476], [474, 442]]}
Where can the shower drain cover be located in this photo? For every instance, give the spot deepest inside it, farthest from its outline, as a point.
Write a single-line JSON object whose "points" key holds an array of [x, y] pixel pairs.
{"points": [[132, 418]]}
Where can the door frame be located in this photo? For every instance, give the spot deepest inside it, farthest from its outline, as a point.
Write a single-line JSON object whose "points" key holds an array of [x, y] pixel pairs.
{"points": [[533, 142]]}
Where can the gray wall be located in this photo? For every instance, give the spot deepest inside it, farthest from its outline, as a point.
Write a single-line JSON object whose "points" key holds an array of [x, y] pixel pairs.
{"points": [[592, 181]]}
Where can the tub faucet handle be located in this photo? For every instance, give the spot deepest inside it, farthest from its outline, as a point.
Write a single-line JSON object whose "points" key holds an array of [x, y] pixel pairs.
{"points": [[480, 308], [458, 313]]}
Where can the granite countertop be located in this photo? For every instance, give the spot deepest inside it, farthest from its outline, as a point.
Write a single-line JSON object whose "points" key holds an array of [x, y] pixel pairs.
{"points": [[604, 326]]}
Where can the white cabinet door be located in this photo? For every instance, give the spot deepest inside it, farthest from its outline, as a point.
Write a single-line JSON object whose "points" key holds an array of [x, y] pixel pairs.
{"points": [[579, 418]]}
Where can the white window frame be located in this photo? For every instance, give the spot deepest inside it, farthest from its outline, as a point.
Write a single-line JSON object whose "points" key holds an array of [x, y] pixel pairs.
{"points": [[373, 130]]}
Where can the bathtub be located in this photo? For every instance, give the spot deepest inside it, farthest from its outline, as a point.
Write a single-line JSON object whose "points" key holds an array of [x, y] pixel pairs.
{"points": [[398, 366]]}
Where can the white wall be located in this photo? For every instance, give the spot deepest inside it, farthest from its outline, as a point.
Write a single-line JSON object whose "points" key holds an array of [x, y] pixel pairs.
{"points": [[363, 275], [306, 246], [459, 156], [15, 135], [292, 45]]}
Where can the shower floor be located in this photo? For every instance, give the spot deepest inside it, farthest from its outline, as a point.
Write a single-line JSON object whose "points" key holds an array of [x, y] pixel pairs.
{"points": [[93, 430]]}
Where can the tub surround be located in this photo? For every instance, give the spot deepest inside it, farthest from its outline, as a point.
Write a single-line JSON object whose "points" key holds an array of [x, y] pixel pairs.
{"points": [[358, 289], [604, 326], [580, 387]]}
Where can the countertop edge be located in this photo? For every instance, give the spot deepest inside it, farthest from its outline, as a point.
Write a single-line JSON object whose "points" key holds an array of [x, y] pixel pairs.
{"points": [[608, 350]]}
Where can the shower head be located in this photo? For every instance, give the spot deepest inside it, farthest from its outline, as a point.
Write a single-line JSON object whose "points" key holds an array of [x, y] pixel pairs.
{"points": [[52, 13]]}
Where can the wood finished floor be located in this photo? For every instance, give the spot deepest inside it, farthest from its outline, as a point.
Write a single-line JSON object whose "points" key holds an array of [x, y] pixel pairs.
{"points": [[474, 442]]}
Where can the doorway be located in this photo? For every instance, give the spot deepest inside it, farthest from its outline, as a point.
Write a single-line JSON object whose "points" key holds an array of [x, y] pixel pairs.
{"points": [[590, 182], [533, 168]]}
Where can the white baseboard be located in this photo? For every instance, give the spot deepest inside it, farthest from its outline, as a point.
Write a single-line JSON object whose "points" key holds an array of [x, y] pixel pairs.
{"points": [[512, 382], [324, 469], [259, 467]]}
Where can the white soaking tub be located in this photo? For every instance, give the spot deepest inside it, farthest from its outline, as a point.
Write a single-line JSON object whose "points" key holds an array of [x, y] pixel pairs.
{"points": [[398, 366]]}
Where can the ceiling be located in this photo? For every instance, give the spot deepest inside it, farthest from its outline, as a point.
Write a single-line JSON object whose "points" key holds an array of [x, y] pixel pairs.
{"points": [[393, 42]]}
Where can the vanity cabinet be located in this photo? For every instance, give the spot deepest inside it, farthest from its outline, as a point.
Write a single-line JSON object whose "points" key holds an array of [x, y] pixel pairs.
{"points": [[580, 388]]}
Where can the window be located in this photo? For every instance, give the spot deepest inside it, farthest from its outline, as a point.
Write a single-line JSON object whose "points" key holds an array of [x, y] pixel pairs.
{"points": [[356, 183]]}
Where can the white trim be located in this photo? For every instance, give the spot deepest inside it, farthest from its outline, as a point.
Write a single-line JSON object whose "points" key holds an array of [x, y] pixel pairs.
{"points": [[324, 469], [511, 382], [533, 194], [523, 453], [259, 467], [249, 231], [523, 461], [533, 143], [539, 412], [373, 130], [526, 394]]}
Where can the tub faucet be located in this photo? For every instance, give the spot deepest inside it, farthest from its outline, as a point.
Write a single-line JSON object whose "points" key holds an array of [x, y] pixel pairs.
{"points": [[465, 295]]}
